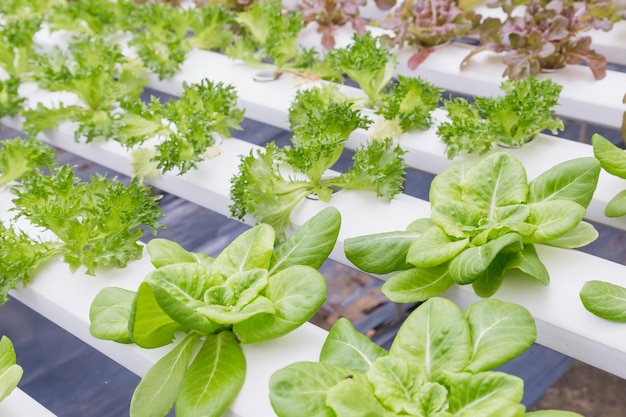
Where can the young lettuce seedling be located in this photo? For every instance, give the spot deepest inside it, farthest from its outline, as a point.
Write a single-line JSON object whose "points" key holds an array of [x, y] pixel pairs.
{"points": [[320, 130], [440, 365], [251, 292], [525, 109], [486, 219]]}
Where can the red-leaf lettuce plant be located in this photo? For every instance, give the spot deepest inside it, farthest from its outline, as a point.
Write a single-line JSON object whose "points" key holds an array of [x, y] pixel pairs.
{"points": [[332, 14], [424, 24], [485, 220], [440, 365], [251, 292], [547, 36]]}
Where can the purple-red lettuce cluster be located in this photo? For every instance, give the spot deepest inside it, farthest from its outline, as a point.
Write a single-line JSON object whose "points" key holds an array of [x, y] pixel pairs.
{"points": [[332, 14]]}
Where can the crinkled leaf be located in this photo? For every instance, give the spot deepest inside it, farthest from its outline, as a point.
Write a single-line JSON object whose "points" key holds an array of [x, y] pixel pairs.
{"points": [[158, 389], [149, 326], [302, 388], [347, 347], [380, 253], [396, 382], [472, 262], [297, 293], [437, 336], [417, 284], [605, 300], [214, 378], [446, 185], [434, 247], [500, 331], [573, 180], [109, 314], [311, 244], [458, 219]]}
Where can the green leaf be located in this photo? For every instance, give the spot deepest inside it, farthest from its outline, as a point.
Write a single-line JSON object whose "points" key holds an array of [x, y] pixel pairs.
{"points": [[554, 218], [605, 300], [353, 397], [611, 157], [109, 314], [149, 326], [10, 372], [347, 347], [500, 331], [483, 394], [472, 262], [297, 293], [573, 180], [446, 185], [417, 284], [529, 263], [166, 252], [301, 388], [458, 219], [250, 250], [488, 282], [616, 207], [380, 253], [437, 336], [434, 247], [552, 413], [311, 244], [497, 180], [158, 389], [396, 383], [179, 289], [214, 378], [583, 234]]}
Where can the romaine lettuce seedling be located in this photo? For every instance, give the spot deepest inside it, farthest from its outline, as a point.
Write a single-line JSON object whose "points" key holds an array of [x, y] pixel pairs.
{"points": [[251, 292], [439, 365], [486, 219]]}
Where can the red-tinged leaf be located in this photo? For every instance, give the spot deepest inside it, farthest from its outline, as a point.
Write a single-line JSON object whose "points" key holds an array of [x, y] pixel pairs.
{"points": [[419, 57]]}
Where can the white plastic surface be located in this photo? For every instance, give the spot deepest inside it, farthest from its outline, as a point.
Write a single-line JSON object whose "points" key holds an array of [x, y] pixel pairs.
{"points": [[19, 404]]}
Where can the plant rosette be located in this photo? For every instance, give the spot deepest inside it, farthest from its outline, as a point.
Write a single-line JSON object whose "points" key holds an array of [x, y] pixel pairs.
{"points": [[613, 160], [485, 220], [251, 292], [440, 364], [547, 36], [426, 24]]}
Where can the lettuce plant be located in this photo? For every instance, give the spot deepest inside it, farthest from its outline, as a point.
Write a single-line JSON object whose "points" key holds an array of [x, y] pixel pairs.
{"points": [[424, 24], [605, 300], [613, 161], [20, 157], [17, 47], [10, 371], [251, 292], [270, 183], [440, 364], [547, 36], [330, 15], [511, 120], [486, 219]]}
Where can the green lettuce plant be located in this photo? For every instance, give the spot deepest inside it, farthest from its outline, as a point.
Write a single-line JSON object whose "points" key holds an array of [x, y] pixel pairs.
{"points": [[613, 161], [440, 365], [10, 371], [486, 219], [605, 300], [251, 292]]}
